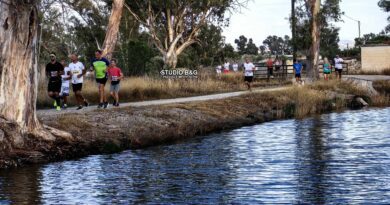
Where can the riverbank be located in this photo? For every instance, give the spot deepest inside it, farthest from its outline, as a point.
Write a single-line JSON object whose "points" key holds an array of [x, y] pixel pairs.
{"points": [[114, 130]]}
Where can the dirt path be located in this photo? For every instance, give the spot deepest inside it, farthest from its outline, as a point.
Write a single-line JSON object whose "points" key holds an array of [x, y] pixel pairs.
{"points": [[161, 102]]}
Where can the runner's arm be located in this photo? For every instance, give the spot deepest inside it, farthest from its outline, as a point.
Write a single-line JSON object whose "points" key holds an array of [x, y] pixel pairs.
{"points": [[121, 75]]}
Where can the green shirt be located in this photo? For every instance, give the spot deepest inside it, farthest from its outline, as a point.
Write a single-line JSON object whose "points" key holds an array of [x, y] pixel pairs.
{"points": [[100, 66]]}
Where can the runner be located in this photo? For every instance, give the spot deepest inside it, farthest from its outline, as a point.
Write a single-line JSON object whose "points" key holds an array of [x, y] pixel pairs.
{"points": [[77, 71], [278, 63], [338, 64], [270, 68], [218, 69], [235, 67], [297, 70], [249, 69], [226, 67], [327, 69], [54, 70], [65, 84], [99, 65], [115, 75]]}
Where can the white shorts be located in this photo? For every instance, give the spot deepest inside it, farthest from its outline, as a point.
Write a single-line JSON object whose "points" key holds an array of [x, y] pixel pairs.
{"points": [[64, 90]]}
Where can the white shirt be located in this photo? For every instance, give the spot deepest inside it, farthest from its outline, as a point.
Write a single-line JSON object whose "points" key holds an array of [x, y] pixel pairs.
{"points": [[338, 63], [249, 69], [64, 76], [219, 68], [76, 69], [226, 66], [235, 67]]}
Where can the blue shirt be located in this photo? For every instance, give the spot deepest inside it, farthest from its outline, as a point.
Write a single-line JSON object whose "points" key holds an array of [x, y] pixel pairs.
{"points": [[297, 68]]}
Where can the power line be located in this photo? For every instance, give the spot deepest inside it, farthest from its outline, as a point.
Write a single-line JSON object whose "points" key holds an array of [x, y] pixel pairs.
{"points": [[359, 23]]}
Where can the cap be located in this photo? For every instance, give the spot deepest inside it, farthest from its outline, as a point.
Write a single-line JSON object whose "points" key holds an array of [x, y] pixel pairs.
{"points": [[52, 55]]}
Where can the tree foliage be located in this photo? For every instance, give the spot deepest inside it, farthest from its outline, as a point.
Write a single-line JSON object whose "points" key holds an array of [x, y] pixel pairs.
{"points": [[278, 45], [245, 46], [330, 12], [175, 25], [372, 38], [385, 5]]}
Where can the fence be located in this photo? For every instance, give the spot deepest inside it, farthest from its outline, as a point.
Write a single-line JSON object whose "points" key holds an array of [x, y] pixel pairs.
{"points": [[285, 72]]}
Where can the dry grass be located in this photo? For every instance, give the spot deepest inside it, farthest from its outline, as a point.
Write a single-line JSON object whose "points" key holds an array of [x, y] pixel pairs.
{"points": [[149, 88], [382, 86], [343, 87], [383, 72]]}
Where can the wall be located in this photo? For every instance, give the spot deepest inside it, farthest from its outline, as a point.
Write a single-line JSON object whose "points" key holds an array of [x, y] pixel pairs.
{"points": [[375, 58]]}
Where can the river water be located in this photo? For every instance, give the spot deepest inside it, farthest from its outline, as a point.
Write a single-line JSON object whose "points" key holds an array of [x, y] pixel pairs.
{"points": [[338, 158]]}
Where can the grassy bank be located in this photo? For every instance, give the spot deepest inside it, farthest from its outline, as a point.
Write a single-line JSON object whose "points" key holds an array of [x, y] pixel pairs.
{"points": [[149, 88], [113, 130], [117, 129]]}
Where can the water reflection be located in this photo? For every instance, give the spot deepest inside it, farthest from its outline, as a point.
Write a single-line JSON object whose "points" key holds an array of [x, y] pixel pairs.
{"points": [[311, 160], [329, 159], [20, 186]]}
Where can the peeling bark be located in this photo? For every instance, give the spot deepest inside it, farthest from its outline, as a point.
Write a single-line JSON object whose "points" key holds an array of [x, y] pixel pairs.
{"points": [[20, 128], [113, 28], [312, 70], [18, 63]]}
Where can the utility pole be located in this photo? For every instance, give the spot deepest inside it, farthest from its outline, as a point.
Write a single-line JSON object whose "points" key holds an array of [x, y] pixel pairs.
{"points": [[293, 29], [359, 29], [358, 21]]}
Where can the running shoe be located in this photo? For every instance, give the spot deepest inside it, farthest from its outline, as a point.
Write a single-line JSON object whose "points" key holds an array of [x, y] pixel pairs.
{"points": [[64, 106], [105, 105], [58, 108], [79, 108], [86, 104], [55, 103], [100, 105]]}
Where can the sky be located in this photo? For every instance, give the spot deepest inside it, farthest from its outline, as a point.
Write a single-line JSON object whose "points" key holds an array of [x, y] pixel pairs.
{"points": [[262, 18]]}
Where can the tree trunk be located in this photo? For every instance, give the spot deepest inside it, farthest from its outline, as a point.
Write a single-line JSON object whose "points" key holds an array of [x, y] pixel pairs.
{"points": [[312, 70], [18, 63], [113, 28], [19, 125], [170, 59]]}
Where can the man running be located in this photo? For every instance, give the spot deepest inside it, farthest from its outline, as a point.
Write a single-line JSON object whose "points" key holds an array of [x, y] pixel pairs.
{"points": [[249, 68], [297, 70], [77, 71], [115, 75], [235, 67], [270, 68], [65, 88], [338, 64], [100, 65], [54, 70]]}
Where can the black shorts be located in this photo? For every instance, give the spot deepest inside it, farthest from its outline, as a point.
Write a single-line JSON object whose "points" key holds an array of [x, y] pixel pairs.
{"points": [[298, 75], [54, 86], [101, 80], [77, 87], [248, 79], [339, 71], [270, 71]]}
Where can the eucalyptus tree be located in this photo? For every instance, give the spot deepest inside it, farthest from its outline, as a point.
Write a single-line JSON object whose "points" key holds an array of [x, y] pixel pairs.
{"points": [[174, 25], [313, 18], [19, 125]]}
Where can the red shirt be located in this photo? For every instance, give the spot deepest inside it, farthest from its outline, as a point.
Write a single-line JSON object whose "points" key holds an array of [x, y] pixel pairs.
{"points": [[270, 63], [114, 73]]}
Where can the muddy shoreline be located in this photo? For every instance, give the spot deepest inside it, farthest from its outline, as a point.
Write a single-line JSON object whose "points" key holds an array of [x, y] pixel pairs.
{"points": [[115, 130]]}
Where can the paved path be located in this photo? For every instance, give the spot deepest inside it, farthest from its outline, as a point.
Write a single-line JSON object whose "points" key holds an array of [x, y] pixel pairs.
{"points": [[163, 101], [367, 77]]}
